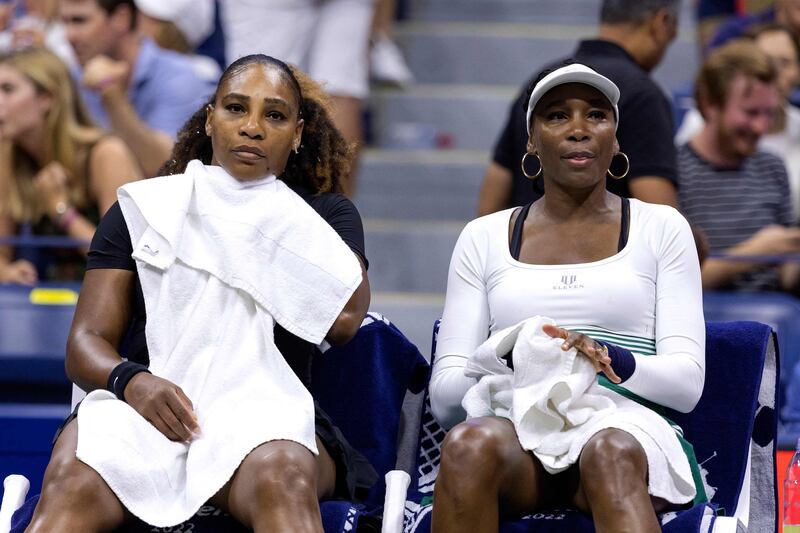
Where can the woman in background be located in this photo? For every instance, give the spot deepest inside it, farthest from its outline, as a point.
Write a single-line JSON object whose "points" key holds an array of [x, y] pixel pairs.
{"points": [[58, 173]]}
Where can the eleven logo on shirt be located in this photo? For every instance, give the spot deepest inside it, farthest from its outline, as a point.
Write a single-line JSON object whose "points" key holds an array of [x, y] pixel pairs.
{"points": [[567, 282]]}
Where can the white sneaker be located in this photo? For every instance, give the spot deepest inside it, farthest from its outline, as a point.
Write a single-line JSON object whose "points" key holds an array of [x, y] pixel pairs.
{"points": [[387, 64]]}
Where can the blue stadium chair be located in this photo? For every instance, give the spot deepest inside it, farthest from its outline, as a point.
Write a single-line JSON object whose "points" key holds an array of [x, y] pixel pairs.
{"points": [[361, 386], [732, 430], [782, 312]]}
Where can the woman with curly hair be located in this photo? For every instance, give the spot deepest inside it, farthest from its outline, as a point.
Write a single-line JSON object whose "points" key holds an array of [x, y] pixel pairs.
{"points": [[198, 267]]}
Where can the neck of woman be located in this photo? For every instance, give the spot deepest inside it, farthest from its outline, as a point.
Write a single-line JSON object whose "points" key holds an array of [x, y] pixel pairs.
{"points": [[563, 204]]}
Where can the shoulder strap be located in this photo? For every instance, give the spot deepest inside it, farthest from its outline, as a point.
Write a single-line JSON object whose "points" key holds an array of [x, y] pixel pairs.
{"points": [[516, 234], [624, 223]]}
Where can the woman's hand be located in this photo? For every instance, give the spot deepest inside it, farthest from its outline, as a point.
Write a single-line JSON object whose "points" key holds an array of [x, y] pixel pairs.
{"points": [[20, 271], [51, 188], [594, 351], [163, 404]]}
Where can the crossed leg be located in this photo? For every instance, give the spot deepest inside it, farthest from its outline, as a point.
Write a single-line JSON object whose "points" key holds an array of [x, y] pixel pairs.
{"points": [[485, 476]]}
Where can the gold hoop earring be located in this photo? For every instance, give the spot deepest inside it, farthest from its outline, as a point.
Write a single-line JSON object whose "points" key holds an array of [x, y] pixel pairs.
{"points": [[524, 171], [627, 167]]}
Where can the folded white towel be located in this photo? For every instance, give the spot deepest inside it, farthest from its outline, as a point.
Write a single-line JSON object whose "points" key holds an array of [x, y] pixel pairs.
{"points": [[219, 262], [556, 405]]}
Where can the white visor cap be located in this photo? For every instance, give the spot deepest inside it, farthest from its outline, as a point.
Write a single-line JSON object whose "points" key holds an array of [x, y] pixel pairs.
{"points": [[574, 73]]}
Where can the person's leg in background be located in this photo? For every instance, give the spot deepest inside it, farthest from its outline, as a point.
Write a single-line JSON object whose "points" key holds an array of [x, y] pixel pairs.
{"points": [[387, 64], [339, 59]]}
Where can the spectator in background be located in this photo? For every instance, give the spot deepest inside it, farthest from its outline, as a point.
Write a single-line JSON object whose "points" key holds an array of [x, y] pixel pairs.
{"points": [[784, 12], [735, 193], [783, 137], [139, 91], [181, 25], [329, 39], [632, 39], [711, 14], [35, 24], [58, 173], [386, 61]]}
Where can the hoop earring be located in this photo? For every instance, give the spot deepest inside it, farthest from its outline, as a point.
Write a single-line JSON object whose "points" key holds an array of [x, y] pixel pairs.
{"points": [[524, 171], [627, 167]]}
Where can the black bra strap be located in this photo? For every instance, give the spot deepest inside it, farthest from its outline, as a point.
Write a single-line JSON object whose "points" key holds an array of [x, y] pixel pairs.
{"points": [[516, 234], [623, 226]]}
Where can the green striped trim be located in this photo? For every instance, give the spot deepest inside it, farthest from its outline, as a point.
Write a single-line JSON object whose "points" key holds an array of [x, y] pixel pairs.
{"points": [[634, 343], [645, 346]]}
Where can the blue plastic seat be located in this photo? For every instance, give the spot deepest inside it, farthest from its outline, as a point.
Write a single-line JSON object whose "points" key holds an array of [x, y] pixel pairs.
{"points": [[732, 430]]}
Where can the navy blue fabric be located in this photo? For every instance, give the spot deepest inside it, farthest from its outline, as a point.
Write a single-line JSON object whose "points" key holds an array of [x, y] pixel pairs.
{"points": [[361, 386], [208, 519], [688, 520], [22, 516], [720, 429], [735, 354], [622, 360]]}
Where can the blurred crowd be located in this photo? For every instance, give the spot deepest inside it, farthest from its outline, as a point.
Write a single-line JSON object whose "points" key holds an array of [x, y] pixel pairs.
{"points": [[93, 93]]}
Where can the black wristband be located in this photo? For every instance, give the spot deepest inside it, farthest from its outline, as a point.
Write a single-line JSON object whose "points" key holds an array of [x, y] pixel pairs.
{"points": [[119, 377], [622, 360]]}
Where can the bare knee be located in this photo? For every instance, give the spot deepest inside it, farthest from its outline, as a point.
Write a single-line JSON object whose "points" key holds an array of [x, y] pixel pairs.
{"points": [[284, 469], [72, 484], [612, 458], [475, 450]]}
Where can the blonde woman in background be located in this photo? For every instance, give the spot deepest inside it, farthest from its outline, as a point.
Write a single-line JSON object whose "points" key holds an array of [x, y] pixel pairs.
{"points": [[58, 173]]}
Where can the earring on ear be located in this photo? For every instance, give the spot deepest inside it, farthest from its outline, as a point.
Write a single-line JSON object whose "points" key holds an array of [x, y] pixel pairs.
{"points": [[627, 166], [523, 164], [296, 150]]}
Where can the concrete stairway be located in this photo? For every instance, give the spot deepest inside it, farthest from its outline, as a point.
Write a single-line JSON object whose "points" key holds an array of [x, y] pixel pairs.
{"points": [[419, 184]]}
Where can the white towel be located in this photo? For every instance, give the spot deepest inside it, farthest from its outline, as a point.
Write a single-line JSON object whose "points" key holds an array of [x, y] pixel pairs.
{"points": [[219, 262], [556, 405]]}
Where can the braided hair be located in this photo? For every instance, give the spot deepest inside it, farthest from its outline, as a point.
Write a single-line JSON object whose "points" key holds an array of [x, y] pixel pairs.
{"points": [[324, 158]]}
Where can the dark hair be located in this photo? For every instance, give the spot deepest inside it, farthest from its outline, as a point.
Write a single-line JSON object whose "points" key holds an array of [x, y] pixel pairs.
{"points": [[635, 11], [324, 159], [109, 6]]}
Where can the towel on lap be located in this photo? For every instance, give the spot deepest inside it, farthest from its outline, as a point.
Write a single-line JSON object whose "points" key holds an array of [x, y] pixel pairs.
{"points": [[219, 262], [556, 405]]}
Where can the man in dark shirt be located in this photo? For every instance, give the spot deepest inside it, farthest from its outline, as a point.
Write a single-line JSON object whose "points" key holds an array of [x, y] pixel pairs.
{"points": [[632, 39]]}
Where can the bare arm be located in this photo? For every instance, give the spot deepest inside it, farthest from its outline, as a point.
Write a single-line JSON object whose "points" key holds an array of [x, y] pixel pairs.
{"points": [[654, 190], [151, 147], [101, 319], [495, 192], [349, 320], [769, 240]]}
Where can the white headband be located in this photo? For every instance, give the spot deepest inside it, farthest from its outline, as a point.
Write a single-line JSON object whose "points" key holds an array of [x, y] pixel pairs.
{"points": [[574, 73]]}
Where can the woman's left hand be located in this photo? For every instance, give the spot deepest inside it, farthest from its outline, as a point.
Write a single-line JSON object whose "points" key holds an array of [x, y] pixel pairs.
{"points": [[590, 348], [51, 187]]}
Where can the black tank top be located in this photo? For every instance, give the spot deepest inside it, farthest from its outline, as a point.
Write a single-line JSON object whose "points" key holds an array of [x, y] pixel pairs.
{"points": [[516, 234]]}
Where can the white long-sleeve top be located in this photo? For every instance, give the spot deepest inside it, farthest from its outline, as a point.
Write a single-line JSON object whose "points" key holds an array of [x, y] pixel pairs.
{"points": [[647, 298]]}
